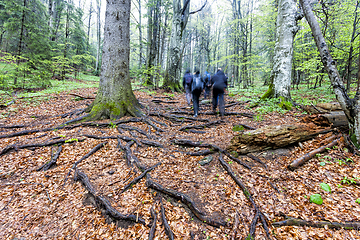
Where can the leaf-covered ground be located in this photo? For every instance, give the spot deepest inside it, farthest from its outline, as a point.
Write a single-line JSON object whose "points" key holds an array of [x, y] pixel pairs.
{"points": [[51, 205]]}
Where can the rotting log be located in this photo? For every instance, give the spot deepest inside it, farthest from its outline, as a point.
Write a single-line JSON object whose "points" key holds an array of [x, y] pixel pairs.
{"points": [[246, 193], [138, 178], [272, 137], [317, 224], [303, 159], [52, 161], [185, 200], [102, 204], [165, 223]]}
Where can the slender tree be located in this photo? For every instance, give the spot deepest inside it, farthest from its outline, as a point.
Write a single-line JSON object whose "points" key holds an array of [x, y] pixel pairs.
{"points": [[115, 97]]}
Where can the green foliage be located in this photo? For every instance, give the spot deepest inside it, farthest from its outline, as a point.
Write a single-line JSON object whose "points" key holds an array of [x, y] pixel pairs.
{"points": [[325, 187], [71, 140], [238, 128], [358, 201], [316, 198]]}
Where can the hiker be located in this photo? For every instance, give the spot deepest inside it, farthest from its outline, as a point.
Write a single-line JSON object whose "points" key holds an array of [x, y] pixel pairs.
{"points": [[196, 89], [187, 81], [219, 83], [207, 80]]}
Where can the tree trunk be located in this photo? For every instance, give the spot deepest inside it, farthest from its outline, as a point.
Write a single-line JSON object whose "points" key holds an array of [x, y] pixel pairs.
{"points": [[115, 97], [140, 37], [20, 40], [88, 27], [350, 107], [286, 28], [97, 67], [173, 71]]}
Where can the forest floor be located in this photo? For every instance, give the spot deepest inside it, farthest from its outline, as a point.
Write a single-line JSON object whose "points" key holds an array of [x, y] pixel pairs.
{"points": [[52, 205]]}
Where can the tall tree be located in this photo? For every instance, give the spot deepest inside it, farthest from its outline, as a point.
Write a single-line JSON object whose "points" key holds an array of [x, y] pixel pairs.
{"points": [[180, 18], [98, 35], [286, 28], [351, 107], [115, 97]]}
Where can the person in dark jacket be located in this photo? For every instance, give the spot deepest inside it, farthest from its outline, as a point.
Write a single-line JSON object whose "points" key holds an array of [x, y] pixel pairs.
{"points": [[207, 80], [219, 84], [187, 81], [196, 89]]}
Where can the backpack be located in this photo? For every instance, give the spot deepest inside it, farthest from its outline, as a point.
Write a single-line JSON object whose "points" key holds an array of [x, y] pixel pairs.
{"points": [[188, 78], [197, 84]]}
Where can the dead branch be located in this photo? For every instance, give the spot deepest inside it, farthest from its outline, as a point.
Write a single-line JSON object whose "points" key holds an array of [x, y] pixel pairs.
{"points": [[165, 223], [13, 126], [246, 193], [201, 126], [80, 96], [138, 178], [198, 9], [52, 161], [153, 225], [256, 159], [102, 203], [303, 159], [317, 224], [185, 200]]}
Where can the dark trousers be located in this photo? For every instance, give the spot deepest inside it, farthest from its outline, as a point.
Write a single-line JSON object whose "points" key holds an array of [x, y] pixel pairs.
{"points": [[207, 92], [218, 95], [195, 97]]}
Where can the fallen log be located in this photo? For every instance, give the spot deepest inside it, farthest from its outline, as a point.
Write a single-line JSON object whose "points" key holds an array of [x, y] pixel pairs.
{"points": [[317, 224], [209, 124], [52, 161], [246, 193], [303, 159], [185, 200], [165, 223], [272, 137], [102, 204]]}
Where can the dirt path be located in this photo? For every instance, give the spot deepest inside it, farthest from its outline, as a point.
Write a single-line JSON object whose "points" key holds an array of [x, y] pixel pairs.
{"points": [[50, 204]]}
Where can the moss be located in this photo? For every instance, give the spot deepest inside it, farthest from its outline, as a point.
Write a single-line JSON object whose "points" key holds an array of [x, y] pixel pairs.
{"points": [[246, 192], [354, 141], [285, 104], [269, 93]]}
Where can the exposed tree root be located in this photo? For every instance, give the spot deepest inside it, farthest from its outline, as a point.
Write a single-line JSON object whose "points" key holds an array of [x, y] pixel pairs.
{"points": [[80, 96], [70, 114], [35, 145], [151, 143], [102, 203], [196, 131], [235, 226], [303, 159], [138, 178], [186, 142], [246, 126], [165, 223], [256, 159], [161, 101], [246, 193], [52, 161], [14, 126], [202, 126], [130, 128], [185, 200], [249, 115], [22, 133], [130, 157], [94, 150], [200, 153], [251, 234], [153, 225], [153, 125], [177, 118], [317, 224]]}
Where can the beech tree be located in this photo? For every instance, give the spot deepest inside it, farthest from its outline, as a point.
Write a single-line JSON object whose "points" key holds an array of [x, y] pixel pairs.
{"points": [[351, 107], [286, 28], [115, 97]]}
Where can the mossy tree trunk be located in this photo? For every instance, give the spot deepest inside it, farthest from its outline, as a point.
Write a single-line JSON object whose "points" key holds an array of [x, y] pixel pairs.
{"points": [[115, 97]]}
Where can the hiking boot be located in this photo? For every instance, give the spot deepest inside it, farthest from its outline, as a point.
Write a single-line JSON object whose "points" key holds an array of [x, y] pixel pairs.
{"points": [[195, 115]]}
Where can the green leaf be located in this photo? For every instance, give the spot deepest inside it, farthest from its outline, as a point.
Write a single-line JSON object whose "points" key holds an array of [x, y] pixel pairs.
{"points": [[322, 163], [358, 201], [325, 187], [316, 198]]}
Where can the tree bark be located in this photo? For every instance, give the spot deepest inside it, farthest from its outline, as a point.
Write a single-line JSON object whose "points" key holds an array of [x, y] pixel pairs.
{"points": [[350, 107], [115, 98]]}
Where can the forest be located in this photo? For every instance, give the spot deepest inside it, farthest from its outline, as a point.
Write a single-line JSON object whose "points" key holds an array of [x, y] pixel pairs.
{"points": [[98, 141]]}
